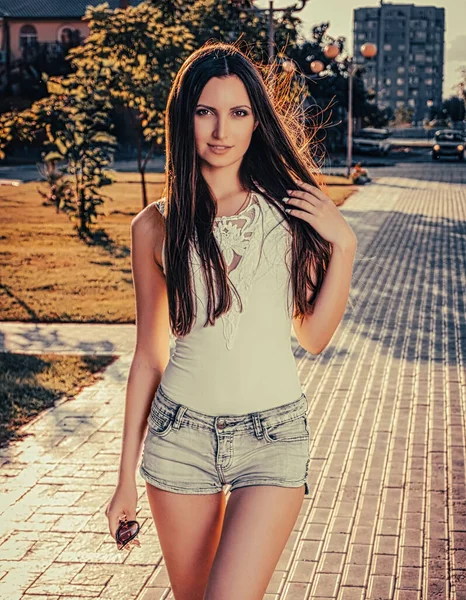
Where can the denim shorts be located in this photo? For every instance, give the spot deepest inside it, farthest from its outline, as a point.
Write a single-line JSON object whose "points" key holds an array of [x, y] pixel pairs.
{"points": [[190, 452]]}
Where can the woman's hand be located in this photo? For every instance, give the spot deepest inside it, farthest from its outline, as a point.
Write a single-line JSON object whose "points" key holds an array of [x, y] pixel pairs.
{"points": [[311, 205], [123, 502]]}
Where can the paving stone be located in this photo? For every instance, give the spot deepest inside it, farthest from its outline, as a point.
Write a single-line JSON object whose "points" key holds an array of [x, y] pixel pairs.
{"points": [[326, 585], [355, 575], [351, 593], [380, 587], [407, 595]]}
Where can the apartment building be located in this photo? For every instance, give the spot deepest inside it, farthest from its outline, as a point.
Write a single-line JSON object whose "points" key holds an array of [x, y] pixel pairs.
{"points": [[409, 67]]}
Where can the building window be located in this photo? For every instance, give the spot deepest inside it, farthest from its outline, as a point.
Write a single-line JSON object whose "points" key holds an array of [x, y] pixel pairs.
{"points": [[400, 103], [64, 34], [412, 102], [428, 81], [27, 36], [401, 47], [401, 69], [400, 93], [387, 47], [400, 81]]}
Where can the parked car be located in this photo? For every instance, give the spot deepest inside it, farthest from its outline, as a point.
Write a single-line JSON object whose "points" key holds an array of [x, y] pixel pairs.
{"points": [[448, 143], [372, 141]]}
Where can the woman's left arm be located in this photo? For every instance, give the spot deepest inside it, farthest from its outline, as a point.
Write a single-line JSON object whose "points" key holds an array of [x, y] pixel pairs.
{"points": [[315, 331]]}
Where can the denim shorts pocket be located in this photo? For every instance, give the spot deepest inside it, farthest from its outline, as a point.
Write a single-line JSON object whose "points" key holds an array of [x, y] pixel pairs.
{"points": [[291, 430], [160, 423]]}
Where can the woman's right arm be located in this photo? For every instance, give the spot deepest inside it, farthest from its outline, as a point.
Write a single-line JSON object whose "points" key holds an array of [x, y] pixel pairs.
{"points": [[151, 355], [152, 349]]}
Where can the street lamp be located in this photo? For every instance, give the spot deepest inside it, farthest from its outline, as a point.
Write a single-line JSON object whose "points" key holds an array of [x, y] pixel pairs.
{"points": [[368, 51], [288, 66], [317, 66], [332, 51]]}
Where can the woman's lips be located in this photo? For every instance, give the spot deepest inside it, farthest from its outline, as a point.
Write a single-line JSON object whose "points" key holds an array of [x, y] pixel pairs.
{"points": [[219, 149]]}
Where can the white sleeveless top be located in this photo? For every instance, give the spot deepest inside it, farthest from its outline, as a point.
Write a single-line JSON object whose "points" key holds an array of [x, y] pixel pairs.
{"points": [[244, 362]]}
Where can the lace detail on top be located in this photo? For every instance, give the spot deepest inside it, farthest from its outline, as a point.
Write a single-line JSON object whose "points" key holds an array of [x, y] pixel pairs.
{"points": [[239, 239]]}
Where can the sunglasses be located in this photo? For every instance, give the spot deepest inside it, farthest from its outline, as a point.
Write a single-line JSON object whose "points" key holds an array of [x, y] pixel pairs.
{"points": [[126, 533]]}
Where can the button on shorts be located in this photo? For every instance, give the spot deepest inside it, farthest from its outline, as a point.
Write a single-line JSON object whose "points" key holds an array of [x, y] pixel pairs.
{"points": [[190, 452]]}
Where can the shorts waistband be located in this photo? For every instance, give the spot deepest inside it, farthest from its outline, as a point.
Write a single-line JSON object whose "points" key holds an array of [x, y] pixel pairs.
{"points": [[270, 416]]}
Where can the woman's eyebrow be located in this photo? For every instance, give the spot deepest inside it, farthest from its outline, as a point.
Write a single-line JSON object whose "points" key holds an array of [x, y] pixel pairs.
{"points": [[212, 108]]}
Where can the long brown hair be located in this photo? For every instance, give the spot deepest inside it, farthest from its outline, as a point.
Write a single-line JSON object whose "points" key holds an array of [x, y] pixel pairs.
{"points": [[278, 148]]}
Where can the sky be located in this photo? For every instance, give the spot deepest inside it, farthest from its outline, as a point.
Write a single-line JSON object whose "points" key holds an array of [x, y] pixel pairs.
{"points": [[340, 15]]}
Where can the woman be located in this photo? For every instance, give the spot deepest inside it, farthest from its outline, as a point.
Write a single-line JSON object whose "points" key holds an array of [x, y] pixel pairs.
{"points": [[233, 255]]}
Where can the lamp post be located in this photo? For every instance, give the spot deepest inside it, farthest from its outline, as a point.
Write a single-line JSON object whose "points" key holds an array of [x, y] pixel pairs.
{"points": [[368, 51], [332, 51]]}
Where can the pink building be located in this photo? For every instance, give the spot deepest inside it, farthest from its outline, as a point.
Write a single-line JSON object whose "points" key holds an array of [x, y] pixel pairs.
{"points": [[29, 22]]}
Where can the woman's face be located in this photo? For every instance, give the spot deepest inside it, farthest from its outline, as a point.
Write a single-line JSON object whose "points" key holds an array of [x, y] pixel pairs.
{"points": [[223, 117]]}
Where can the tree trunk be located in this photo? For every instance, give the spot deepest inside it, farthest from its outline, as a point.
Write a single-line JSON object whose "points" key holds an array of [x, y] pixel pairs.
{"points": [[141, 168], [82, 218], [144, 187]]}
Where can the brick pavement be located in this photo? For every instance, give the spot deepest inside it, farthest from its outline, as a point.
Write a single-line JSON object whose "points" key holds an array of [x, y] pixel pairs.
{"points": [[387, 514]]}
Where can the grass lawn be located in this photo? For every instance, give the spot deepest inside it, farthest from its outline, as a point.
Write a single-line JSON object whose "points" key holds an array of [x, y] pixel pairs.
{"points": [[30, 384], [50, 275]]}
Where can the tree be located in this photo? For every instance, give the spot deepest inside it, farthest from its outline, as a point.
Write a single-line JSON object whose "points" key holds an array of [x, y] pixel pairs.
{"points": [[329, 91], [403, 116], [133, 55], [73, 124], [229, 22], [138, 53], [455, 109], [84, 141]]}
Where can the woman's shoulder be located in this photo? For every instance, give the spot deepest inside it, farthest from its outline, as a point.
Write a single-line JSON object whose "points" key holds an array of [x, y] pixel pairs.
{"points": [[150, 225]]}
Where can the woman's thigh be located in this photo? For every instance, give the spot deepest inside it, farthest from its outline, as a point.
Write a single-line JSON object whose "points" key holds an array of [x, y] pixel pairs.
{"points": [[258, 522], [189, 528]]}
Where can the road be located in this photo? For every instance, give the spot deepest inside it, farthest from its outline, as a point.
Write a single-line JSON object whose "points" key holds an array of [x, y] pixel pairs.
{"points": [[441, 172]]}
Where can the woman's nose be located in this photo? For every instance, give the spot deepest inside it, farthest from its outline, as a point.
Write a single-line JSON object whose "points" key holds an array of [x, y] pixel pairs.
{"points": [[221, 129]]}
